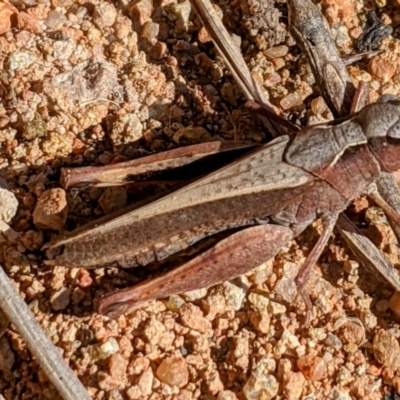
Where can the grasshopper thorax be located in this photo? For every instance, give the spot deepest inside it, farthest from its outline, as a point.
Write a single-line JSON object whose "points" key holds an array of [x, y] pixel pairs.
{"points": [[381, 125]]}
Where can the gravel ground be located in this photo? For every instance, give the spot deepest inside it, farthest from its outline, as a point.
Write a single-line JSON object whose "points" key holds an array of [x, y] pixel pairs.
{"points": [[92, 83]]}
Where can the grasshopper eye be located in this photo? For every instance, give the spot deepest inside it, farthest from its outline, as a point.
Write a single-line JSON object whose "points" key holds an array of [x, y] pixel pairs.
{"points": [[394, 132]]}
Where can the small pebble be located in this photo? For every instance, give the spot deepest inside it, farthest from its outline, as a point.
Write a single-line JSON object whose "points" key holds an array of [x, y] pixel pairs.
{"points": [[150, 30], [126, 129], [290, 101], [333, 341], [293, 383], [104, 14], [318, 106], [226, 395], [394, 304], [117, 366], [213, 381], [175, 302], [195, 294], [350, 348], [34, 129], [279, 63], [51, 210], [173, 371], [107, 349], [55, 20], [7, 10], [312, 367], [203, 36], [351, 267], [369, 320], [356, 32], [339, 394], [84, 279], [272, 79], [290, 340], [259, 301], [382, 69], [182, 12], [134, 393], [145, 382], [234, 295], [193, 318], [8, 203], [261, 321], [60, 299], [28, 23], [160, 50], [142, 11], [107, 382], [365, 303], [352, 332], [277, 51], [276, 308], [286, 288], [19, 60], [264, 387], [386, 350]]}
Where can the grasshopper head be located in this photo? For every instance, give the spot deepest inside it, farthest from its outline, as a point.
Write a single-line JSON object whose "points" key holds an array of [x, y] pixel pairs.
{"points": [[381, 125]]}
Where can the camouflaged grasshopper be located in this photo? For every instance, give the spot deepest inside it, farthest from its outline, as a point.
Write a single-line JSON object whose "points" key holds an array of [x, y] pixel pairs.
{"points": [[273, 193], [268, 197]]}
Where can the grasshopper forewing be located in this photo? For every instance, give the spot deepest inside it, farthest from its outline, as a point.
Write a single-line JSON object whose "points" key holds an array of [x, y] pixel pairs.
{"points": [[254, 187]]}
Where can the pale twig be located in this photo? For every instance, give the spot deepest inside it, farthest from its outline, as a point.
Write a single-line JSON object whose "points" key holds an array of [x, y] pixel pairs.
{"points": [[86, 103], [48, 355]]}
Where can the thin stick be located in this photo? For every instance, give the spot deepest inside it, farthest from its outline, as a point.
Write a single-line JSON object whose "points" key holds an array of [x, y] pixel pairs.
{"points": [[48, 356], [360, 98], [312, 34], [234, 61], [367, 252]]}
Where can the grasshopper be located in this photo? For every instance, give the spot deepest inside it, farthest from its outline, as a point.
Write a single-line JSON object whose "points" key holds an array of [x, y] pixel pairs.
{"points": [[272, 194], [285, 185]]}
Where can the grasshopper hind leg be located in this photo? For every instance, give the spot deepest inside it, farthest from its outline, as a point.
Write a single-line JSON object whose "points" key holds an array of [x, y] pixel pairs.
{"points": [[233, 256]]}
